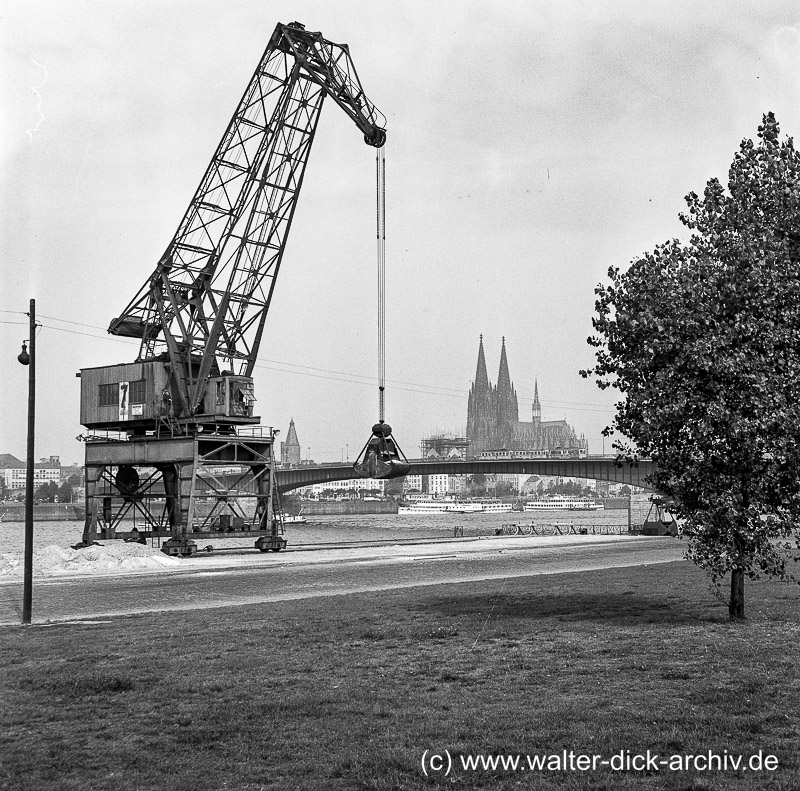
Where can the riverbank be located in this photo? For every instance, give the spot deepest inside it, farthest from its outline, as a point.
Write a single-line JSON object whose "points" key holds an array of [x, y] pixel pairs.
{"points": [[342, 529]]}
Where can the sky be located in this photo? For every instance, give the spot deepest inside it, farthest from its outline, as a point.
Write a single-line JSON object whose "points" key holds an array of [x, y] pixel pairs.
{"points": [[530, 146]]}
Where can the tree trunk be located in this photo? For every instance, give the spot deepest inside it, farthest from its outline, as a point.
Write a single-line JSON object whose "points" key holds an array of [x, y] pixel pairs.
{"points": [[736, 605]]}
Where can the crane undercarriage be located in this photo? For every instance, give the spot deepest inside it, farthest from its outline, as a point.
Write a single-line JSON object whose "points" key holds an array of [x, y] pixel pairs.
{"points": [[185, 489]]}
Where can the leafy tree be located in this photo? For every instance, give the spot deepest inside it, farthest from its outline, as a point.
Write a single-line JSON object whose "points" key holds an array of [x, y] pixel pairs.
{"points": [[477, 484], [46, 491], [703, 341], [65, 493], [504, 489]]}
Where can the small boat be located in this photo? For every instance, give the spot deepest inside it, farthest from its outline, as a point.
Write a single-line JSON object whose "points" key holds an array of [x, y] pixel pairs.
{"points": [[292, 519]]}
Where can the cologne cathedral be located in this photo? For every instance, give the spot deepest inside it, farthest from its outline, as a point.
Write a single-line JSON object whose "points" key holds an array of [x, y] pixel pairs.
{"points": [[493, 416]]}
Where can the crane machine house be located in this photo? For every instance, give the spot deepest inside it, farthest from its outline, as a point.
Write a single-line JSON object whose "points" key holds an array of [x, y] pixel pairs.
{"points": [[162, 427]]}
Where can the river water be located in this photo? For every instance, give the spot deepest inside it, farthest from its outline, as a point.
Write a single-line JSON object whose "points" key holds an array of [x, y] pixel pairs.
{"points": [[344, 529]]}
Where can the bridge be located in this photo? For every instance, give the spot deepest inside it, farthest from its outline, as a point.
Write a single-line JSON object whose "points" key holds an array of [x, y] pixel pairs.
{"points": [[601, 468]]}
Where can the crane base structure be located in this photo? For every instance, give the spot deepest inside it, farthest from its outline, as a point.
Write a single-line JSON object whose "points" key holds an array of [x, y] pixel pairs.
{"points": [[184, 489]]}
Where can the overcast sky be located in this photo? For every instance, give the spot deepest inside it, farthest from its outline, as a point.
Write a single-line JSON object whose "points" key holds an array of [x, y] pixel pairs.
{"points": [[531, 145]]}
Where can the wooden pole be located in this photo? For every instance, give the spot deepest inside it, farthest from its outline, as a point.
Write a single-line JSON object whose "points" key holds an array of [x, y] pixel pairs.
{"points": [[27, 584]]}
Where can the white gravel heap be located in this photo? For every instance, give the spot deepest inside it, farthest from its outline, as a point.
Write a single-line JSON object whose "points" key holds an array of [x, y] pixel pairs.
{"points": [[116, 556]]}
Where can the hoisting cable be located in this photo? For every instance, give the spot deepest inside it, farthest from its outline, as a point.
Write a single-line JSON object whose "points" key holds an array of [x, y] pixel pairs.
{"points": [[380, 182], [381, 457]]}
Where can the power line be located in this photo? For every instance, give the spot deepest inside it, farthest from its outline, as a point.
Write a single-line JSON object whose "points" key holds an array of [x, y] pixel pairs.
{"points": [[325, 373]]}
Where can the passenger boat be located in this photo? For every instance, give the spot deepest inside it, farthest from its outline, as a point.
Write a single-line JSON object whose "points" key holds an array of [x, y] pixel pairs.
{"points": [[450, 506], [561, 503], [429, 507], [495, 506]]}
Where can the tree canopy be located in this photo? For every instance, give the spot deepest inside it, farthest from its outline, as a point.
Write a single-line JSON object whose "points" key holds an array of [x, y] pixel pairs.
{"points": [[47, 491], [703, 341]]}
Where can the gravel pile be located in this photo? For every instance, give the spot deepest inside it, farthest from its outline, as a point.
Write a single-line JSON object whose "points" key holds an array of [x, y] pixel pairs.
{"points": [[116, 556]]}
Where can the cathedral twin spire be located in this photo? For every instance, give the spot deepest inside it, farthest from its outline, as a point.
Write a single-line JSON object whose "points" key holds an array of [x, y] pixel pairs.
{"points": [[493, 415], [492, 410]]}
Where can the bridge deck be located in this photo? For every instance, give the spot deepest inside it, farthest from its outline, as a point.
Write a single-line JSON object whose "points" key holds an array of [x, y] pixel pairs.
{"points": [[601, 468]]}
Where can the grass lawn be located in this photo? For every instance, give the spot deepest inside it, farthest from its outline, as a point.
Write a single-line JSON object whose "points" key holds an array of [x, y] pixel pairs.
{"points": [[347, 692]]}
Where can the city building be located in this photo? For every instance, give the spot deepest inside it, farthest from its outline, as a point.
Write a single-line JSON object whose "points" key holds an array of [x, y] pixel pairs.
{"points": [[343, 488], [493, 416], [437, 485], [412, 483], [444, 447], [14, 471]]}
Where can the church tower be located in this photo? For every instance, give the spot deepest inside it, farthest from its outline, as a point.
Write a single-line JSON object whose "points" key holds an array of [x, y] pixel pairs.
{"points": [[506, 407], [480, 414], [290, 449], [537, 408]]}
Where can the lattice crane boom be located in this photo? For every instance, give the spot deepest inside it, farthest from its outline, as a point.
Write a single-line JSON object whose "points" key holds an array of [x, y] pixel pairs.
{"points": [[203, 309]]}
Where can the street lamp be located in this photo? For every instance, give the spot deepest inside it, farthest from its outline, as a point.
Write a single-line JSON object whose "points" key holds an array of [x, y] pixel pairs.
{"points": [[29, 358]]}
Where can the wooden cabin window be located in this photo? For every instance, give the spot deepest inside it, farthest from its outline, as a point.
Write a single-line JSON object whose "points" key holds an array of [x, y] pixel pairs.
{"points": [[109, 395], [138, 391]]}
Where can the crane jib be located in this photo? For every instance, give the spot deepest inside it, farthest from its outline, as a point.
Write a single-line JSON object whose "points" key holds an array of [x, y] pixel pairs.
{"points": [[233, 234]]}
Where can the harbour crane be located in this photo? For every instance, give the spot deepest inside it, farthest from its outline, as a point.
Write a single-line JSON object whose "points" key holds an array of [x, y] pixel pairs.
{"points": [[185, 407]]}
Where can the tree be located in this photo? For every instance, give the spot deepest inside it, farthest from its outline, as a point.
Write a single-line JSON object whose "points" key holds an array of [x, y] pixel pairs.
{"points": [[477, 484], [65, 493], [47, 491], [703, 341], [504, 489]]}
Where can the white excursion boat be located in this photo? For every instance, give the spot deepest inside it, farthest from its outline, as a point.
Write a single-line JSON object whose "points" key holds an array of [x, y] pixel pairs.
{"points": [[448, 506], [495, 506], [427, 507], [561, 503]]}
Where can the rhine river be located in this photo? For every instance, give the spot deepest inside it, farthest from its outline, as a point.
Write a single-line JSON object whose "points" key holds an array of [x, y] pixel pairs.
{"points": [[347, 529]]}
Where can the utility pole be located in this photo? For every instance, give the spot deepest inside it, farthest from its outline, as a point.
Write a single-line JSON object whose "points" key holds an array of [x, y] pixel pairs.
{"points": [[29, 359]]}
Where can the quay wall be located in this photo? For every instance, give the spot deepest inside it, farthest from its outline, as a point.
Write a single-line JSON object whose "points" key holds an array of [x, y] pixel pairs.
{"points": [[328, 508], [48, 512], [616, 503]]}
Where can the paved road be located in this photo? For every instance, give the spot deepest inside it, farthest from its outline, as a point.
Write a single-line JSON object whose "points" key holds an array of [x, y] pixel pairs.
{"points": [[273, 577]]}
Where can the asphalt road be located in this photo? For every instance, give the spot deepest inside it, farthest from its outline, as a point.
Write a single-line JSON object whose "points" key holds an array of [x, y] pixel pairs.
{"points": [[275, 577]]}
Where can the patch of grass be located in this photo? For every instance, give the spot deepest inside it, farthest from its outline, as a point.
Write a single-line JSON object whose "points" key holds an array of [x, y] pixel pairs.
{"points": [[347, 692], [74, 683]]}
